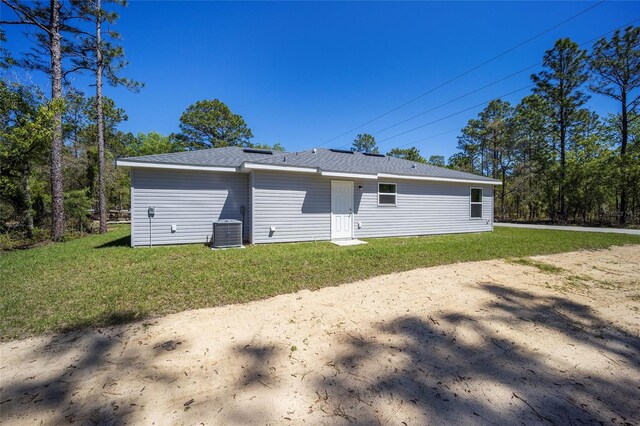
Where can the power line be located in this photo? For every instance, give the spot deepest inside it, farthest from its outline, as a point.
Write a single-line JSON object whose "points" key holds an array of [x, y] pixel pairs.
{"points": [[457, 129], [488, 85], [456, 113], [453, 100], [457, 99], [494, 82], [466, 72]]}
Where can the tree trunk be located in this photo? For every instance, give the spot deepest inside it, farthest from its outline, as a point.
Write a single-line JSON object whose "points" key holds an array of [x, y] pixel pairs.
{"points": [[102, 202], [482, 165], [623, 159], [26, 200], [502, 195], [563, 148], [494, 160], [57, 188]]}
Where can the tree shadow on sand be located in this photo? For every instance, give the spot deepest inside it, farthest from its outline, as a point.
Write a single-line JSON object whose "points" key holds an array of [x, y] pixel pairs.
{"points": [[255, 371], [452, 368], [428, 373], [58, 393]]}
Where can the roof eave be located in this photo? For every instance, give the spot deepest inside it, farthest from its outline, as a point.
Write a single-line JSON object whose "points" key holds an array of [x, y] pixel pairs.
{"points": [[248, 166], [439, 179], [172, 166]]}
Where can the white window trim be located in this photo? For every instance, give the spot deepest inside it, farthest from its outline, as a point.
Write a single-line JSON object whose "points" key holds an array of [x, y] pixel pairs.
{"points": [[387, 193], [476, 202]]}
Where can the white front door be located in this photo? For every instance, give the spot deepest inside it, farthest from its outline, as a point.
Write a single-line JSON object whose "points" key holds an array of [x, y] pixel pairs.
{"points": [[341, 209]]}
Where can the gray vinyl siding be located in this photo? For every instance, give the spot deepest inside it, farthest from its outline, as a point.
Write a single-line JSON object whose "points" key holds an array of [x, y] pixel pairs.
{"points": [[296, 204], [422, 208], [299, 207], [192, 200]]}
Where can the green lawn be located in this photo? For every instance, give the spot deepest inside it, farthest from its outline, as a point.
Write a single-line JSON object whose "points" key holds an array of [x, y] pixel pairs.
{"points": [[100, 280]]}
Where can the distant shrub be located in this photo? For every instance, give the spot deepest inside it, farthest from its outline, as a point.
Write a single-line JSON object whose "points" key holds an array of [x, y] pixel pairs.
{"points": [[76, 208]]}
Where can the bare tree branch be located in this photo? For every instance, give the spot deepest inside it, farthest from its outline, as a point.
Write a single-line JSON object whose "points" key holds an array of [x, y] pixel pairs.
{"points": [[25, 16]]}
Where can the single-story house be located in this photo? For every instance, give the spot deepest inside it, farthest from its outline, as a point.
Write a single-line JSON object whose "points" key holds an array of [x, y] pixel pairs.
{"points": [[314, 195]]}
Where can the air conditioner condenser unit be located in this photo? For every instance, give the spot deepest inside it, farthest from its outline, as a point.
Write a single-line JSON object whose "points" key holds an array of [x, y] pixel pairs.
{"points": [[227, 233]]}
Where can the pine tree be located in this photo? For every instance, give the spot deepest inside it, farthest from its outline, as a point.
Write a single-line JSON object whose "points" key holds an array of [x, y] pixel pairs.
{"points": [[560, 86], [616, 73], [364, 142], [100, 55], [211, 124], [411, 154], [487, 141], [50, 22]]}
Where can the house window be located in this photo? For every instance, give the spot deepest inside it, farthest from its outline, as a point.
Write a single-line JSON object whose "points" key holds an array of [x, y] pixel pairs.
{"points": [[476, 203], [387, 194]]}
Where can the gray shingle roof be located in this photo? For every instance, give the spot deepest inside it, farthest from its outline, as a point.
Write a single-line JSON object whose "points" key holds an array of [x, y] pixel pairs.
{"points": [[323, 159]]}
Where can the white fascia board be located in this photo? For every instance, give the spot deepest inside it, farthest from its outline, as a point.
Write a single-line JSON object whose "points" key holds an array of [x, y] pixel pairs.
{"points": [[141, 165], [256, 166], [438, 179], [349, 175]]}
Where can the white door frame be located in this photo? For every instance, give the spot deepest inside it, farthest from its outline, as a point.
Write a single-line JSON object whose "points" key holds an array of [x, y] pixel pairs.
{"points": [[352, 205]]}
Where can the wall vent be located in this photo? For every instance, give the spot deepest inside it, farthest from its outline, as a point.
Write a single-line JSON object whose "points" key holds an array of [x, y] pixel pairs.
{"points": [[227, 233]]}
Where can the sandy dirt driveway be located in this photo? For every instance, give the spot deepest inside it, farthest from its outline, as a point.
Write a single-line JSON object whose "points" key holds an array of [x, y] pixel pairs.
{"points": [[474, 343]]}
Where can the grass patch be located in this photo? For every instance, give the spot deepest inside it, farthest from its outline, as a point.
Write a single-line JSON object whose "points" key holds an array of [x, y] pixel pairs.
{"points": [[579, 281], [544, 267], [99, 280]]}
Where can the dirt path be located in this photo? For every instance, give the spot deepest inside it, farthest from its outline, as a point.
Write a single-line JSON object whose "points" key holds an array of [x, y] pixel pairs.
{"points": [[482, 342]]}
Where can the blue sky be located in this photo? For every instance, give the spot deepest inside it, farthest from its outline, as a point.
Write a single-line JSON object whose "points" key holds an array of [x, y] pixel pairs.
{"points": [[303, 73]]}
